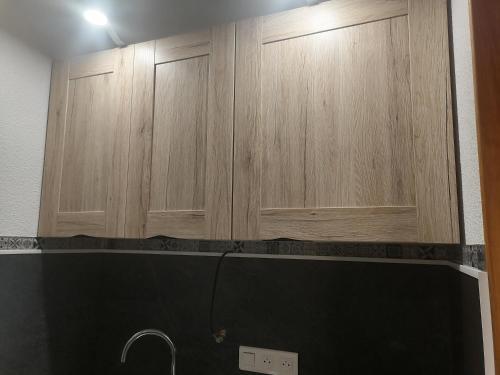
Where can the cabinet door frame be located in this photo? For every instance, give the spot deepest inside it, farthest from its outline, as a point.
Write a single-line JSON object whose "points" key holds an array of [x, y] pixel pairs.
{"points": [[214, 222], [434, 219], [110, 222]]}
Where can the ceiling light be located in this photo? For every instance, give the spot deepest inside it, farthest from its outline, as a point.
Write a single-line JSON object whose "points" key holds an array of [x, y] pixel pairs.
{"points": [[96, 17]]}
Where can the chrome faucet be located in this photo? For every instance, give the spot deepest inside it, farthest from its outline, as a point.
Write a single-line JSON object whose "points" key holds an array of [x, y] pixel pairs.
{"points": [[150, 332]]}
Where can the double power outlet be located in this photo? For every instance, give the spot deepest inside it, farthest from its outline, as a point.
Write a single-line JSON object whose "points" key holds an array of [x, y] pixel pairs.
{"points": [[268, 361]]}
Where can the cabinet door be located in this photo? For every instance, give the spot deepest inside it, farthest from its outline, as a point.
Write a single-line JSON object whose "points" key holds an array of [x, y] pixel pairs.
{"points": [[180, 167], [85, 170], [343, 126]]}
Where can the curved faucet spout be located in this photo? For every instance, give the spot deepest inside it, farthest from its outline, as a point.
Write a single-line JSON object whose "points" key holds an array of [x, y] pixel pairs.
{"points": [[150, 332]]}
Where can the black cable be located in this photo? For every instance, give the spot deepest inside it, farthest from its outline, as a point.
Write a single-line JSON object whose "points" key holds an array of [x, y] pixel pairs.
{"points": [[220, 333]]}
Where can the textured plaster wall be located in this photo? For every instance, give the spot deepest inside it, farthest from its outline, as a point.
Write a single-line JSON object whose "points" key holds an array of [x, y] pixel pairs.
{"points": [[24, 95], [466, 121]]}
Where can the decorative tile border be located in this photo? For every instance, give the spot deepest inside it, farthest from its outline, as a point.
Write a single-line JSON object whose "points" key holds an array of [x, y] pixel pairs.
{"points": [[469, 255], [15, 243]]}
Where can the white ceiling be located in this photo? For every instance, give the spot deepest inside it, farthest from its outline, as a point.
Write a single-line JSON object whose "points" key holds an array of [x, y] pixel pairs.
{"points": [[57, 28]]}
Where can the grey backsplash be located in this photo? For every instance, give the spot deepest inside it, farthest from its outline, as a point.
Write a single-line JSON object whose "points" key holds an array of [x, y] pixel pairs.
{"points": [[469, 255], [71, 313]]}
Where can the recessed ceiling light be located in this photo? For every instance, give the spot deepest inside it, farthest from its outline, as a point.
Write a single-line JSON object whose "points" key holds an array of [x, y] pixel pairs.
{"points": [[96, 17]]}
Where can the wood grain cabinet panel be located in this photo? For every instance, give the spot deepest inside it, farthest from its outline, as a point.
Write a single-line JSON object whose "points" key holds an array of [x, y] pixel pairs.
{"points": [[180, 161], [343, 128], [84, 181], [179, 142]]}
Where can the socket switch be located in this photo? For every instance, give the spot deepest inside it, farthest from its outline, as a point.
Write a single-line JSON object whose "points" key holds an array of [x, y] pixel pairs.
{"points": [[268, 361]]}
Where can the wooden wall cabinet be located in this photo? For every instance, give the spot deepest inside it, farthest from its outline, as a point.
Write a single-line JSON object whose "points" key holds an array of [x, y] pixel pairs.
{"points": [[85, 169], [180, 168], [328, 123], [343, 125]]}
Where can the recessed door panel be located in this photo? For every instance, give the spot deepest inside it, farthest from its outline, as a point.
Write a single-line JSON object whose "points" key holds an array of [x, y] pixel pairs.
{"points": [[336, 119], [179, 135], [87, 145]]}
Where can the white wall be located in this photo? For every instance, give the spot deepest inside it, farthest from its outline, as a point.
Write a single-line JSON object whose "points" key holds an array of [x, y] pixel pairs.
{"points": [[24, 95], [462, 53]]}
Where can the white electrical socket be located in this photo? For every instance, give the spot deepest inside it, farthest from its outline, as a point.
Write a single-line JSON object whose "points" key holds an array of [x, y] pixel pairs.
{"points": [[268, 361]]}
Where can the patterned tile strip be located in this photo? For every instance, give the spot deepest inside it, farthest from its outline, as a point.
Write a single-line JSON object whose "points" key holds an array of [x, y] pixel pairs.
{"points": [[15, 243], [470, 255]]}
